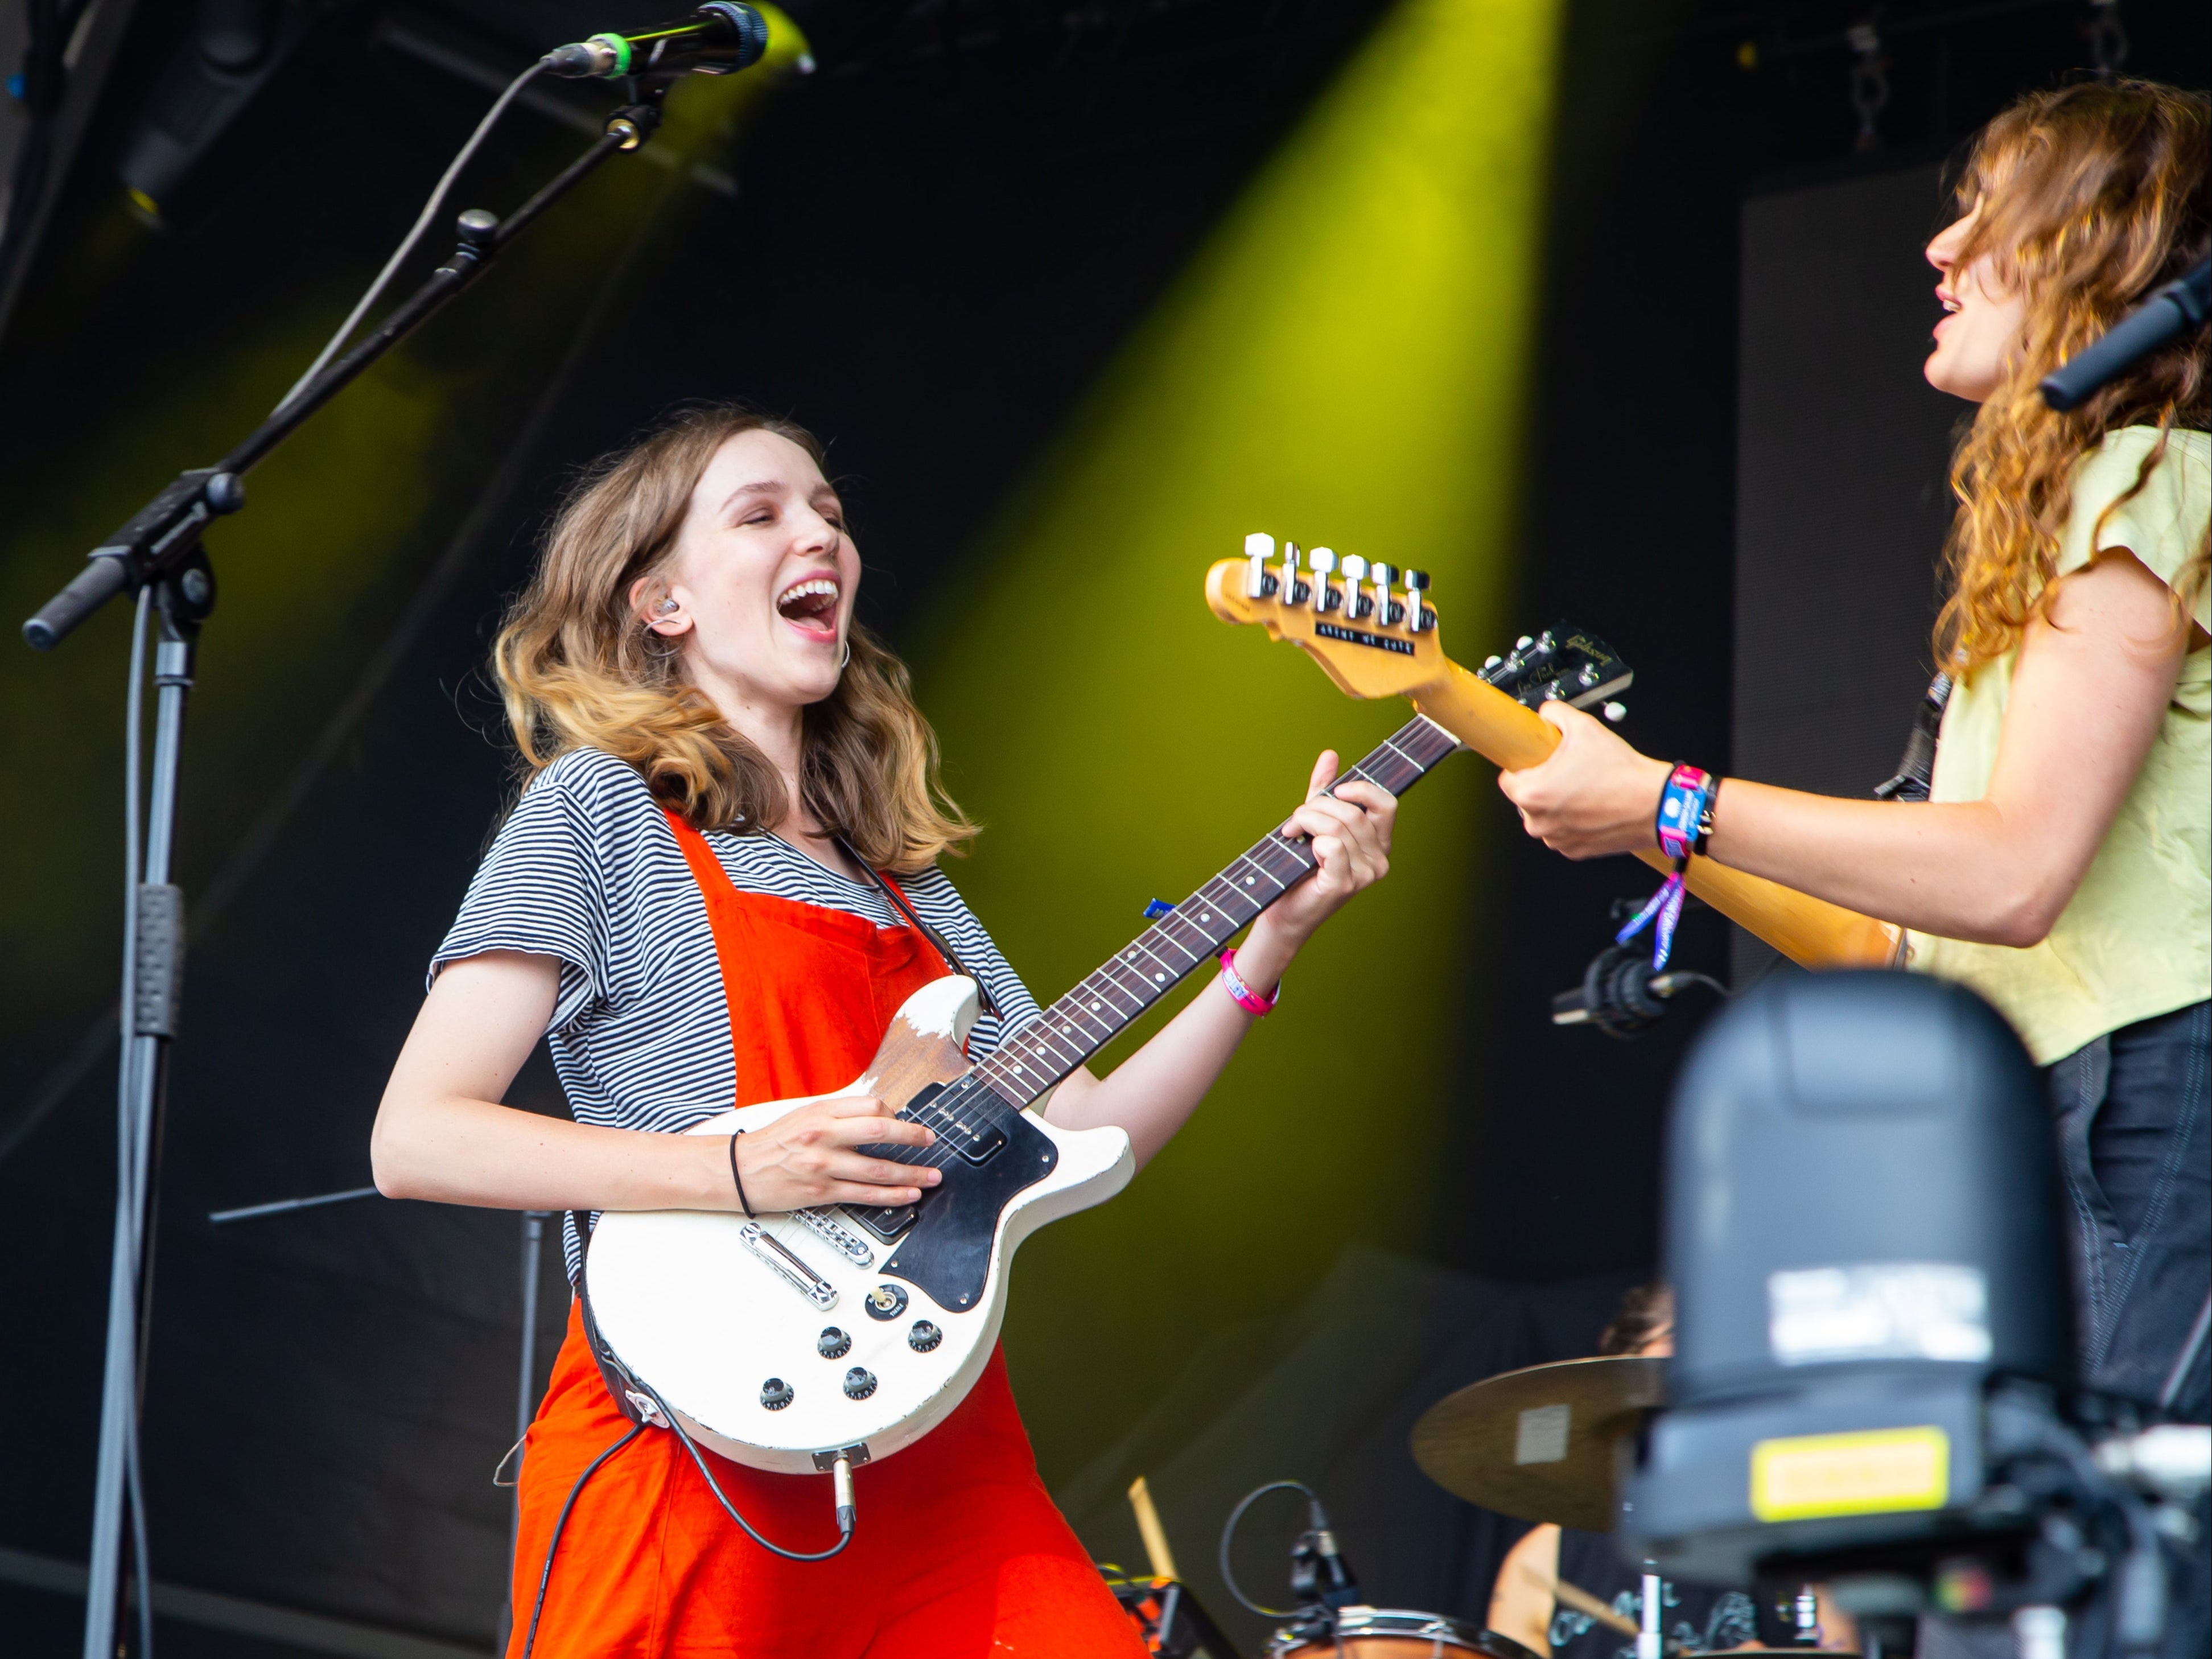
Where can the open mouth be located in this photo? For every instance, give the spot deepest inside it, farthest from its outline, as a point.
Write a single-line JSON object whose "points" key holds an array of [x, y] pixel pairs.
{"points": [[811, 604]]}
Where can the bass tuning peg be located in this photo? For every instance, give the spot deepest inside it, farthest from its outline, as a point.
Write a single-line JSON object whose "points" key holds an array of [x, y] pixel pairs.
{"points": [[1259, 548], [1418, 617], [1323, 562], [1356, 602], [1388, 610]]}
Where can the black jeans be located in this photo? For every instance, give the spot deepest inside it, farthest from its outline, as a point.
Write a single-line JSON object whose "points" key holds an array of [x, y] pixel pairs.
{"points": [[2133, 1116]]}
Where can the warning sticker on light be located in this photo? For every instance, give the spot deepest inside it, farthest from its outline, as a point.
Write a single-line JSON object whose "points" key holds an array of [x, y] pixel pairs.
{"points": [[1876, 1471], [1878, 1310]]}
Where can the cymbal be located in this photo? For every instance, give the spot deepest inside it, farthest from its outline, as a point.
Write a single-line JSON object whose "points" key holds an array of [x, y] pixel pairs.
{"points": [[1540, 1444]]}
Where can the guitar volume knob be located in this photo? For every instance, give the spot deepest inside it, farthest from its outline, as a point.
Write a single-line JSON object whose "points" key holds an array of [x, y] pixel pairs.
{"points": [[833, 1344], [776, 1393], [860, 1382], [924, 1336]]}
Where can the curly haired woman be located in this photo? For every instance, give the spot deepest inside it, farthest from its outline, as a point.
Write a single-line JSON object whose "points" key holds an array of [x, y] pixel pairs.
{"points": [[2063, 864], [717, 885]]}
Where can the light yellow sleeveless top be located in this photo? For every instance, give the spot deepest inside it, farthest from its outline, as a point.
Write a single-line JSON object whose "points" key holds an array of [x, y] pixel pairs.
{"points": [[2135, 940]]}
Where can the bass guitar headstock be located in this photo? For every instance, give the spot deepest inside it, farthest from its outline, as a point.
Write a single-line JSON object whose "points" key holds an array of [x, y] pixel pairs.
{"points": [[1372, 630]]}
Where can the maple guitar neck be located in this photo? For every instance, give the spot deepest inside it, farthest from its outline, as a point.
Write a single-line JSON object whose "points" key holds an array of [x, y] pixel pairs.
{"points": [[1809, 931], [1369, 656]]}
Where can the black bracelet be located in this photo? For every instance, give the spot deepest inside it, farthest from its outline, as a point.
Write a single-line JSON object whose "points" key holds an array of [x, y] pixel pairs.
{"points": [[1706, 813], [743, 1202]]}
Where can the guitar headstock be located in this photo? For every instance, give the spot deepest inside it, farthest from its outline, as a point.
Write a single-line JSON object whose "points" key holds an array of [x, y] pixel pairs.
{"points": [[1370, 626], [1564, 662], [1372, 630]]}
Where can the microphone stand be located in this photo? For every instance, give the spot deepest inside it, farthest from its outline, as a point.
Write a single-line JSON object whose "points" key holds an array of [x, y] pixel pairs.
{"points": [[160, 548]]}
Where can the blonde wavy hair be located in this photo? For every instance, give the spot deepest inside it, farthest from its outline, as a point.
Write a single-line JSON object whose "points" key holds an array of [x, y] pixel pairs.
{"points": [[2091, 196], [578, 669]]}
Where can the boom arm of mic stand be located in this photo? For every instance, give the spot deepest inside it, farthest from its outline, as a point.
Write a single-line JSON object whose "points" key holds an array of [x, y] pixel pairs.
{"points": [[163, 534]]}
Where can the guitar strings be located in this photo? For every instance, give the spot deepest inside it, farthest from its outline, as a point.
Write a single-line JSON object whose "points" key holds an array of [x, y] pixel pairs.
{"points": [[974, 1089]]}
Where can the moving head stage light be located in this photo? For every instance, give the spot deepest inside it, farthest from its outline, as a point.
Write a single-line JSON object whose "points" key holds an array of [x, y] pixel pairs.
{"points": [[1873, 1383]]}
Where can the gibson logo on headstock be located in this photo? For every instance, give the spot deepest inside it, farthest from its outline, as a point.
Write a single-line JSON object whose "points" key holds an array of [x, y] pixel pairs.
{"points": [[1353, 636]]}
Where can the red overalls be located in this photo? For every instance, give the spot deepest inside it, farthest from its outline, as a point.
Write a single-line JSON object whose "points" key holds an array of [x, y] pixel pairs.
{"points": [[959, 1553]]}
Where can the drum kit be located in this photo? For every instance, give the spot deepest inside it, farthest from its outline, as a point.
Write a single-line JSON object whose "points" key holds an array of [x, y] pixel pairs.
{"points": [[1545, 1444]]}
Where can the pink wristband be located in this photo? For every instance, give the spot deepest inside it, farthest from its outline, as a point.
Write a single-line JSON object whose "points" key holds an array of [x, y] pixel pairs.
{"points": [[1243, 994]]}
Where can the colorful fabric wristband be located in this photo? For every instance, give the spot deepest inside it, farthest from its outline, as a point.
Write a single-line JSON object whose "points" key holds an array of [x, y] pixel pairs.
{"points": [[1684, 823], [1243, 994]]}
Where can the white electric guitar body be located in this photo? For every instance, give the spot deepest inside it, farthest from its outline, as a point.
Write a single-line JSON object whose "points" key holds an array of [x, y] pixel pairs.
{"points": [[865, 1342], [785, 1341]]}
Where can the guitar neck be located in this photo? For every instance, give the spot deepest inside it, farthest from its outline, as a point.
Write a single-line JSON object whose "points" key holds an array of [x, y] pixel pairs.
{"points": [[1040, 1054], [1810, 932]]}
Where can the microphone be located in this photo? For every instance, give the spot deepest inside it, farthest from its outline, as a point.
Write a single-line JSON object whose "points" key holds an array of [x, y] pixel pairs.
{"points": [[2182, 303], [1333, 1581], [1621, 993], [720, 37]]}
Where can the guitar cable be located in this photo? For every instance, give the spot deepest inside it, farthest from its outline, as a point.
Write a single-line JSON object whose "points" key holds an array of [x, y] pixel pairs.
{"points": [[841, 1476], [546, 1573], [841, 1484]]}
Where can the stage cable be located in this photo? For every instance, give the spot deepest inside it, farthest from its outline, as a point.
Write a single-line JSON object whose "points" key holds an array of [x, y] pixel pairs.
{"points": [[1229, 1534], [428, 217], [560, 1524]]}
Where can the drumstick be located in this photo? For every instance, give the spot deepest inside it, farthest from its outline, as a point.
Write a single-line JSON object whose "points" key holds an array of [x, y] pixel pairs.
{"points": [[1155, 1536], [1575, 1596]]}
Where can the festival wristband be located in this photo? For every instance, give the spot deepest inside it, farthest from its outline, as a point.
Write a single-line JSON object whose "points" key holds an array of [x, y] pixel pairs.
{"points": [[1685, 816], [1243, 994], [1684, 823]]}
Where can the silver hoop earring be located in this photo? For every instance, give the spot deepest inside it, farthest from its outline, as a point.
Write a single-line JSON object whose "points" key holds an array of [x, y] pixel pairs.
{"points": [[847, 658]]}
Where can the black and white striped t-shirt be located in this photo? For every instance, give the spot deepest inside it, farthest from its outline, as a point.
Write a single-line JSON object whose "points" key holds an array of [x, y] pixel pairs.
{"points": [[587, 869]]}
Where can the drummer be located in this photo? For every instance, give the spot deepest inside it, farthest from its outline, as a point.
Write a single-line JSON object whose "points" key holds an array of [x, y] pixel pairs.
{"points": [[1700, 1620]]}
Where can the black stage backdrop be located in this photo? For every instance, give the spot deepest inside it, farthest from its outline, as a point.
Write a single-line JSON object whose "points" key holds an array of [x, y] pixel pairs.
{"points": [[1841, 503], [930, 257]]}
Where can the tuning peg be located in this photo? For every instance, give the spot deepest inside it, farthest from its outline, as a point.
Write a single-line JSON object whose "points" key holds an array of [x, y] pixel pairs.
{"points": [[1522, 643], [1387, 610], [1356, 603], [1292, 590], [1491, 660], [1616, 712], [1418, 617], [1259, 548], [1322, 561]]}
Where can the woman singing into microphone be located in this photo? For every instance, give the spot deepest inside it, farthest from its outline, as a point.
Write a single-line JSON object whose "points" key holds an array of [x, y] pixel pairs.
{"points": [[684, 903], [2063, 864]]}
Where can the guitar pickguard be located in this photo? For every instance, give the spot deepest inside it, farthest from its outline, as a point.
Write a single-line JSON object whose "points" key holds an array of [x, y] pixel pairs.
{"points": [[946, 1254]]}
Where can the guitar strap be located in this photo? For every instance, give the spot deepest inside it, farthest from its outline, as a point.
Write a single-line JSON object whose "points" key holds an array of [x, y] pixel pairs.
{"points": [[1916, 770], [897, 899]]}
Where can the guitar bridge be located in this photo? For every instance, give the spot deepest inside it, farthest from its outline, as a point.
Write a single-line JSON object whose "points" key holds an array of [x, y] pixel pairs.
{"points": [[788, 1267]]}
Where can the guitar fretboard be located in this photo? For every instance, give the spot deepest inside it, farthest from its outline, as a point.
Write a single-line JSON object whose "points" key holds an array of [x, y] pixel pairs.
{"points": [[1032, 1059]]}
